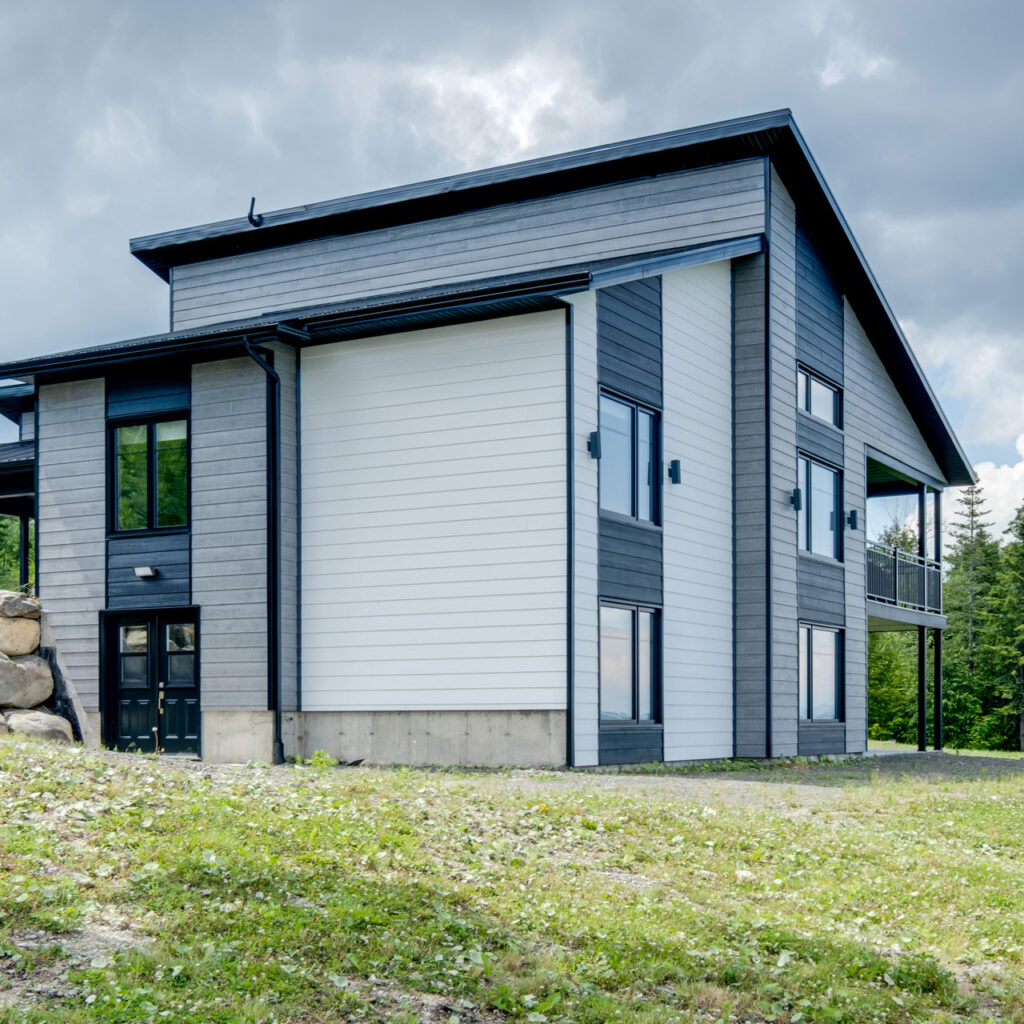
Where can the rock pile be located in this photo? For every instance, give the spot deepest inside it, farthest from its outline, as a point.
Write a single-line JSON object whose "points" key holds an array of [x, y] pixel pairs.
{"points": [[26, 680]]}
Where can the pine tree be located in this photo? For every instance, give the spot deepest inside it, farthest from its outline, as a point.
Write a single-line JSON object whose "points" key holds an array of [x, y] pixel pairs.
{"points": [[1004, 635], [971, 693]]}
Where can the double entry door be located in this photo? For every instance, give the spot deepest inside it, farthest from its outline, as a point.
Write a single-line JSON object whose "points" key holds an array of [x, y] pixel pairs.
{"points": [[153, 679]]}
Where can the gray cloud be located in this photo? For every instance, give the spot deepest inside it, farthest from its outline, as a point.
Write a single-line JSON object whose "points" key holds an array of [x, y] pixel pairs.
{"points": [[121, 119]]}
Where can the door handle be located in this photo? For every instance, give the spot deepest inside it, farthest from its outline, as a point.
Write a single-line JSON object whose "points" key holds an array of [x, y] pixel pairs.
{"points": [[160, 700]]}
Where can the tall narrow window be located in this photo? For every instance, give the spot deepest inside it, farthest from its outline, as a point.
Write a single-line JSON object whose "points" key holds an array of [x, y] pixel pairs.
{"points": [[628, 478], [819, 398], [629, 664], [818, 520], [150, 475], [820, 673]]}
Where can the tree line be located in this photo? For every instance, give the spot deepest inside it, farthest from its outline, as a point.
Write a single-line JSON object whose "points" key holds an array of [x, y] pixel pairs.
{"points": [[983, 644]]}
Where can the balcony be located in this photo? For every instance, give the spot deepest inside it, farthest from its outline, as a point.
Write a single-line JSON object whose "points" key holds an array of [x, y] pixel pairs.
{"points": [[904, 580]]}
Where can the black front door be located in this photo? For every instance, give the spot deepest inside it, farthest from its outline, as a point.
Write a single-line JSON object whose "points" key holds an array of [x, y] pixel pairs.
{"points": [[153, 673]]}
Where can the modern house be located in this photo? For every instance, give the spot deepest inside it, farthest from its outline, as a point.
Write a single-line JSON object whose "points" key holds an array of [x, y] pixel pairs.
{"points": [[564, 462]]}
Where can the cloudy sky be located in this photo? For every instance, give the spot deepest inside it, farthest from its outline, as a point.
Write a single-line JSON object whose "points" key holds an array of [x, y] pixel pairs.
{"points": [[122, 119]]}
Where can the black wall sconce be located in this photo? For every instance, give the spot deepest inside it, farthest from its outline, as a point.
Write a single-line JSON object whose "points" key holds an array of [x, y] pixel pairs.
{"points": [[594, 444], [797, 499], [675, 471], [851, 519]]}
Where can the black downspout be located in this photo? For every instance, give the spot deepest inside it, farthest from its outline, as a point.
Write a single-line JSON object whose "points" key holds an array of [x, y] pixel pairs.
{"points": [[769, 554], [273, 544], [570, 561]]}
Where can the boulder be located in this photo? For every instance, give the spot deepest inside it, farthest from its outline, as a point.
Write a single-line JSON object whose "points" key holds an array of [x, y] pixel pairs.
{"points": [[17, 606], [40, 723], [24, 682], [18, 636], [3, 723]]}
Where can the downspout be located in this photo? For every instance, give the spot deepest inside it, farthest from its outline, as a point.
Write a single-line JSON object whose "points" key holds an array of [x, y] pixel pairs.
{"points": [[570, 561], [769, 553], [273, 544]]}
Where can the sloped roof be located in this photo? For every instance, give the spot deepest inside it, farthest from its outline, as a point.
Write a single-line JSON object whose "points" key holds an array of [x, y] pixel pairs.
{"points": [[774, 135]]}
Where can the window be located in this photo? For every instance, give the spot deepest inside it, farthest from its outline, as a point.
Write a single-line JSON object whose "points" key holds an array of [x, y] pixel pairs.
{"points": [[818, 517], [819, 398], [629, 455], [629, 664], [821, 673], [150, 475]]}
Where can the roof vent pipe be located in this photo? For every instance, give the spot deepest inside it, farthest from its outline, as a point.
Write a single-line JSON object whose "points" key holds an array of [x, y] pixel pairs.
{"points": [[255, 219]]}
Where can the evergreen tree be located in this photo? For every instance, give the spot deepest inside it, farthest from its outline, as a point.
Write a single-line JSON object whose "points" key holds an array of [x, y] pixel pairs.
{"points": [[1004, 638], [971, 693]]}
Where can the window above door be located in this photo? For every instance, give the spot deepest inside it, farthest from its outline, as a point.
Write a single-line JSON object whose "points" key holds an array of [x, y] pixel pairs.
{"points": [[149, 475]]}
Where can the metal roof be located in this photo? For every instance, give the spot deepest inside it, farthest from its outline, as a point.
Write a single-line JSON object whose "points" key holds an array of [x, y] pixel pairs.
{"points": [[773, 135], [17, 454]]}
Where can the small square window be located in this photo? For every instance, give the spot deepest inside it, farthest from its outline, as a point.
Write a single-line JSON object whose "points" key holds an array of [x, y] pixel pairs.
{"points": [[817, 397], [820, 673]]}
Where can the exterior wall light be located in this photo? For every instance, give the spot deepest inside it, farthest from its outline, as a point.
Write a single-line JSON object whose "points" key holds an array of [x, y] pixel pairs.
{"points": [[146, 572]]}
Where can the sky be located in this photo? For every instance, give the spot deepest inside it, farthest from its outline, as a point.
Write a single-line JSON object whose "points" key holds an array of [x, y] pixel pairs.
{"points": [[122, 119]]}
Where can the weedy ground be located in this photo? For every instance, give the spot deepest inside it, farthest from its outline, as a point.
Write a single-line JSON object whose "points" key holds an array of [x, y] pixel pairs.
{"points": [[136, 890]]}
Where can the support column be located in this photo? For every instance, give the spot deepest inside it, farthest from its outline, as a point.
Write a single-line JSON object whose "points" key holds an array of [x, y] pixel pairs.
{"points": [[922, 706], [23, 546], [937, 667]]}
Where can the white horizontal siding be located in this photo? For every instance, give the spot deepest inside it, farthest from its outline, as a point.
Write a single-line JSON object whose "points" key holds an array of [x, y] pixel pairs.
{"points": [[697, 620], [434, 519], [586, 667], [229, 531], [669, 211], [71, 524]]}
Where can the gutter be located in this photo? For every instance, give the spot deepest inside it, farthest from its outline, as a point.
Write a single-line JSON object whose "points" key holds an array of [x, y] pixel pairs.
{"points": [[273, 544]]}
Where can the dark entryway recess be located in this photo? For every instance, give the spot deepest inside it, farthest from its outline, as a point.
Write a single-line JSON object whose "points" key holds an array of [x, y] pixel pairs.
{"points": [[151, 669]]}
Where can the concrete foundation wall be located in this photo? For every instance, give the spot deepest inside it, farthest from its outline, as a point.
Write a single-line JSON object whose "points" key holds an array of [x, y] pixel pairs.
{"points": [[527, 738], [237, 736]]}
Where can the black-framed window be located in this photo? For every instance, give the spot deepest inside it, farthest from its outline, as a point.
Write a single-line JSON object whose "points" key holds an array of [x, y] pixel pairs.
{"points": [[819, 397], [149, 485], [819, 521], [821, 673], [630, 663], [628, 477]]}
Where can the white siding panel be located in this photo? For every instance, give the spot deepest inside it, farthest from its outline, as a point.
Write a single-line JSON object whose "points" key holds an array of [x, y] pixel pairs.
{"points": [[434, 519], [229, 531], [71, 524], [697, 626], [585, 619], [631, 217]]}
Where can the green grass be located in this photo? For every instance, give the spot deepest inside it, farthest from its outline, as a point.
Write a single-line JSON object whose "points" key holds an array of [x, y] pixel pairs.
{"points": [[132, 890]]}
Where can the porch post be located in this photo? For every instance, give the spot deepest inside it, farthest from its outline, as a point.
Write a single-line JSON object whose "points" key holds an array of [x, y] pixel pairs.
{"points": [[23, 578], [922, 707], [937, 666]]}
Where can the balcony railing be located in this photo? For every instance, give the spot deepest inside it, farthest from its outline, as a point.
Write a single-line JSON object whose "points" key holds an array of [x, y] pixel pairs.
{"points": [[904, 579]]}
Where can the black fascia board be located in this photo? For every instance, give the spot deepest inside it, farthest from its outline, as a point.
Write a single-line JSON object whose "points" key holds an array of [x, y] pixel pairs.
{"points": [[525, 293], [16, 399], [701, 146], [804, 180]]}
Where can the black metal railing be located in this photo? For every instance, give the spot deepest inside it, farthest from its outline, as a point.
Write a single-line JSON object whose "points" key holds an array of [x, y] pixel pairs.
{"points": [[904, 579]]}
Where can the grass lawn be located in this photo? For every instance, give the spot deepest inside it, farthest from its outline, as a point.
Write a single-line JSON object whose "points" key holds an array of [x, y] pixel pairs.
{"points": [[883, 889]]}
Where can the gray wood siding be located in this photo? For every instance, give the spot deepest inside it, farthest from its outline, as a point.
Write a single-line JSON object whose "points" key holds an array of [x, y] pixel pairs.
{"points": [[874, 415], [585, 519], [631, 744], [145, 390], [783, 456], [630, 562], [817, 738], [818, 438], [819, 317], [629, 339], [665, 212], [821, 591], [285, 364], [750, 514], [168, 553], [229, 531], [71, 524]]}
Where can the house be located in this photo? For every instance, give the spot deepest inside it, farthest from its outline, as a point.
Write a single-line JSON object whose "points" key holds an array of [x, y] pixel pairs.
{"points": [[564, 462]]}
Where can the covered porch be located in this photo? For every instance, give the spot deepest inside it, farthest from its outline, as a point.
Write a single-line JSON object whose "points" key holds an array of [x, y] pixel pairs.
{"points": [[904, 574]]}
